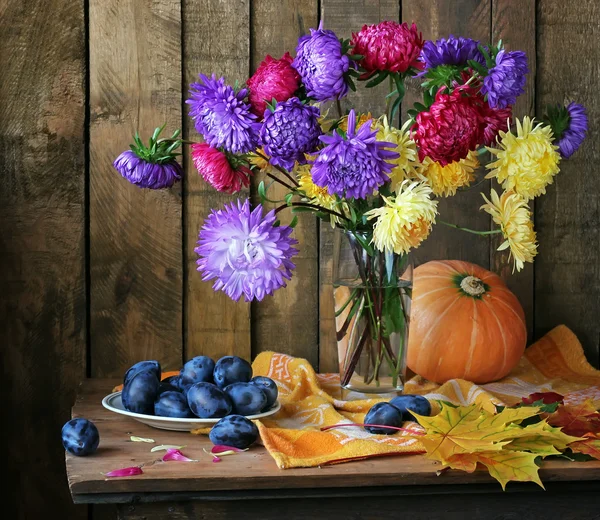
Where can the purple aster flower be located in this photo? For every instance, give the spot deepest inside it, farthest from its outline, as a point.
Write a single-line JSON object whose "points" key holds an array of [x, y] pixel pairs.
{"points": [[290, 131], [575, 132], [244, 252], [222, 115], [354, 166], [146, 174], [153, 166], [451, 51], [322, 65], [506, 79]]}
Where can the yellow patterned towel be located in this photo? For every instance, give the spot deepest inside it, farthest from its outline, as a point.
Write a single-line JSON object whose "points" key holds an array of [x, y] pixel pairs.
{"points": [[311, 401]]}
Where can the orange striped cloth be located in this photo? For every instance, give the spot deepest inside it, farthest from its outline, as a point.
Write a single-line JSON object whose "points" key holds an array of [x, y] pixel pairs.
{"points": [[311, 401]]}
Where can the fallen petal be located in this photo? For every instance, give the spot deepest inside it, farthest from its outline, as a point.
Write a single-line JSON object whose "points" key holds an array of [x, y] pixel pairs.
{"points": [[217, 459], [165, 447], [125, 472], [173, 454], [141, 439], [221, 448]]}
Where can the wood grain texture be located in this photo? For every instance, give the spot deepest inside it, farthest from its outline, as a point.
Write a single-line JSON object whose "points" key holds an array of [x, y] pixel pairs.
{"points": [[42, 253], [288, 321], [345, 17], [555, 504], [252, 470], [135, 234], [513, 22], [438, 19], [216, 39], [567, 268]]}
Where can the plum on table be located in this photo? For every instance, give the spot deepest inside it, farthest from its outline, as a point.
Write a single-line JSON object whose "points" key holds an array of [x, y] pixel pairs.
{"points": [[234, 430], [246, 398], [411, 403], [199, 369], [140, 392], [269, 387], [231, 369], [80, 437], [143, 366], [383, 414]]}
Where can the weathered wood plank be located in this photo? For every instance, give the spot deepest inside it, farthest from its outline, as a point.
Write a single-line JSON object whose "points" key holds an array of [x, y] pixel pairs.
{"points": [[556, 504], [438, 19], [216, 39], [288, 321], [251, 470], [135, 234], [567, 268], [345, 17], [42, 252], [513, 21]]}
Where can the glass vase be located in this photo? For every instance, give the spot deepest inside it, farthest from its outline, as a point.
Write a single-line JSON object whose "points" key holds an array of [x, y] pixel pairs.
{"points": [[372, 295]]}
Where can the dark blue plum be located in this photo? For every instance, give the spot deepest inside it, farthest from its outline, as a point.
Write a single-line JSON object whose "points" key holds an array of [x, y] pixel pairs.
{"points": [[207, 401], [140, 392], [232, 369], [246, 398], [197, 370], [166, 387], [173, 381], [383, 414], [234, 430], [80, 437], [411, 403], [269, 387], [143, 366], [172, 404]]}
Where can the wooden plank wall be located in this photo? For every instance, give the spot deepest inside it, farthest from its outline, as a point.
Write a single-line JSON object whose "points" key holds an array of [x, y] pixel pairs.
{"points": [[96, 274]]}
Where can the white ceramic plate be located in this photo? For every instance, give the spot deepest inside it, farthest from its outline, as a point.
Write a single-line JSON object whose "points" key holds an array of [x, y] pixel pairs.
{"points": [[114, 403]]}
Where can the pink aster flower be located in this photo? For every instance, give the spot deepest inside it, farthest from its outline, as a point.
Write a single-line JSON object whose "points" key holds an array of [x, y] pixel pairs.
{"points": [[388, 45], [215, 168], [495, 120], [451, 127], [244, 252], [273, 79]]}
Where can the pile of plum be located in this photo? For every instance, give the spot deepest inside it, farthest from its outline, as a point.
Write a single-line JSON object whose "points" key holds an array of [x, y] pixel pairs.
{"points": [[205, 389], [395, 412]]}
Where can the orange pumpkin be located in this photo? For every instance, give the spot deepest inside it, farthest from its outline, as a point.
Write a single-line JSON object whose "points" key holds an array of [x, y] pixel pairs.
{"points": [[465, 323]]}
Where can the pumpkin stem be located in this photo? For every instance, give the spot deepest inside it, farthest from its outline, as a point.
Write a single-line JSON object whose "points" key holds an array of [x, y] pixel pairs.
{"points": [[472, 285]]}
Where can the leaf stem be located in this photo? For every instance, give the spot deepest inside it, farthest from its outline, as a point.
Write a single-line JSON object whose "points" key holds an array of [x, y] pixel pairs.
{"points": [[313, 206], [277, 179], [279, 168], [475, 232]]}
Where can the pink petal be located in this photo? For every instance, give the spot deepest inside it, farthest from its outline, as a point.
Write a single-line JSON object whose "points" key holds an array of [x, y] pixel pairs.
{"points": [[217, 459], [220, 448], [125, 472], [173, 454]]}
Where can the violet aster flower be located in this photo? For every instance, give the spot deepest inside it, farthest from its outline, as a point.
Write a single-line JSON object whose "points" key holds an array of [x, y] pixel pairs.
{"points": [[290, 131], [153, 166], [244, 252], [222, 115], [354, 166], [506, 79], [451, 51], [322, 65], [575, 131]]}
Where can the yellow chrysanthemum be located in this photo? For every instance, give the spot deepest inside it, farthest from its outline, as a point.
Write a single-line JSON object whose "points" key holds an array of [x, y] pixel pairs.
{"points": [[405, 165], [318, 195], [405, 220], [511, 213], [360, 120], [257, 160], [526, 162], [445, 180]]}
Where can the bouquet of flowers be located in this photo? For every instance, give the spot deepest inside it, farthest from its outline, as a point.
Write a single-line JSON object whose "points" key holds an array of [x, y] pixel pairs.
{"points": [[373, 178]]}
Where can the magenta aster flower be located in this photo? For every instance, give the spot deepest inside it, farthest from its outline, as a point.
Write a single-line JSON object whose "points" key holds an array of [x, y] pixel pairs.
{"points": [[506, 79], [153, 166], [244, 252], [322, 65], [290, 131], [355, 165], [222, 115]]}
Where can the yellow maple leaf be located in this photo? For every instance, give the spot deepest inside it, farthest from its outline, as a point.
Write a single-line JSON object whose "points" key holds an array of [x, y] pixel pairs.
{"points": [[504, 466], [539, 438], [468, 429], [590, 445]]}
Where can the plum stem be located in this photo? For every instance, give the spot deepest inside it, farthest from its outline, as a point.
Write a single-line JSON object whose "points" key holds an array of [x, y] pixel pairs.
{"points": [[335, 426]]}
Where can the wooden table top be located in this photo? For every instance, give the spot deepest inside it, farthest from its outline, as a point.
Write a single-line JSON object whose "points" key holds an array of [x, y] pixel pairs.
{"points": [[253, 471]]}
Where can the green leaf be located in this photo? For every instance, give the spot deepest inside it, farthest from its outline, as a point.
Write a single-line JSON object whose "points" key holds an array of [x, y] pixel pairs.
{"points": [[475, 65], [352, 215], [377, 79], [277, 223], [294, 221], [351, 84], [288, 198], [395, 107], [355, 57], [261, 191], [365, 245]]}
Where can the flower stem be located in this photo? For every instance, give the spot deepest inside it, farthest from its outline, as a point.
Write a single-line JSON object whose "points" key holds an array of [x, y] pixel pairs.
{"points": [[183, 141], [277, 179], [475, 232], [307, 205], [339, 108], [279, 168]]}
